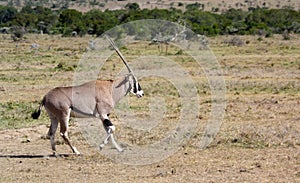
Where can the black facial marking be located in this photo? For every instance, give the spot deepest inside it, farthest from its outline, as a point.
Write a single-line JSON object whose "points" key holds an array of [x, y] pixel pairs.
{"points": [[134, 88], [139, 87]]}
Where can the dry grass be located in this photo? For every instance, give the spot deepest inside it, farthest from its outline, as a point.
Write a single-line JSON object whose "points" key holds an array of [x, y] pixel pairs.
{"points": [[259, 140]]}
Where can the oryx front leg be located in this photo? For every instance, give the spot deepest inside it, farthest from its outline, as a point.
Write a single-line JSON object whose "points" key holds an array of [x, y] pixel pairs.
{"points": [[115, 143], [105, 141], [109, 128]]}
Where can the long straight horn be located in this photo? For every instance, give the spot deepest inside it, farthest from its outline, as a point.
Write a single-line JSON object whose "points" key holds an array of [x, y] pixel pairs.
{"points": [[118, 52]]}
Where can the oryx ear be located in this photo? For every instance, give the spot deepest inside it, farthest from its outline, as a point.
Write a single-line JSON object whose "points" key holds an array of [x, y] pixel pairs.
{"points": [[126, 79]]}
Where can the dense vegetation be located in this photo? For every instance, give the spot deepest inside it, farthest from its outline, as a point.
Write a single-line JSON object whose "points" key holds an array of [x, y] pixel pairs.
{"points": [[67, 21]]}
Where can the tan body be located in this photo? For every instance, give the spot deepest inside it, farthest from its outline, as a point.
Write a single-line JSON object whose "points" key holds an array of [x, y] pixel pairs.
{"points": [[92, 99]]}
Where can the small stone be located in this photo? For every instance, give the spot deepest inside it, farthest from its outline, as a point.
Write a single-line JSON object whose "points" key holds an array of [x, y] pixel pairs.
{"points": [[243, 170], [2, 88]]}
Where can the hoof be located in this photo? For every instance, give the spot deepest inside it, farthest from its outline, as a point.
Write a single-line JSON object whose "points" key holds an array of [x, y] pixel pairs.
{"points": [[101, 146], [75, 151], [55, 154], [120, 150]]}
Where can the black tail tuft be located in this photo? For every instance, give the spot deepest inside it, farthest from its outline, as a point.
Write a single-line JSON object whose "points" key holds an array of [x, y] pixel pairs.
{"points": [[36, 114]]}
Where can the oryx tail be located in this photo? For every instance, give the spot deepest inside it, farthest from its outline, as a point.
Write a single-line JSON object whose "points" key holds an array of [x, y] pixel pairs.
{"points": [[36, 114]]}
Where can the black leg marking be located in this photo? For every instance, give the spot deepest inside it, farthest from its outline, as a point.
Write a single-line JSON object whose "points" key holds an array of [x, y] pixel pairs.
{"points": [[107, 123]]}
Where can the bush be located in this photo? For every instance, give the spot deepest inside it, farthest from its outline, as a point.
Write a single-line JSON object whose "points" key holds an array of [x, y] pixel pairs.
{"points": [[258, 21], [286, 35], [234, 41], [132, 6], [17, 33]]}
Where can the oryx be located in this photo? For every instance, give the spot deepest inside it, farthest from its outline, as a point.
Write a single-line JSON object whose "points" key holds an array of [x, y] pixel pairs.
{"points": [[92, 99]]}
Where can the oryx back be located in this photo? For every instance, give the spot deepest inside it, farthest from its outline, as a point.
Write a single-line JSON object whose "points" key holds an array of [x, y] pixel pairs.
{"points": [[92, 99]]}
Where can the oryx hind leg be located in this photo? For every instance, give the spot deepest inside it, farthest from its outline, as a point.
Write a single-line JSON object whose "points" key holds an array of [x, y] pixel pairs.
{"points": [[64, 125], [52, 131]]}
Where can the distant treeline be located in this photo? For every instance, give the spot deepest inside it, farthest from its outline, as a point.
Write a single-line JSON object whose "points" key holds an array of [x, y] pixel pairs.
{"points": [[260, 21]]}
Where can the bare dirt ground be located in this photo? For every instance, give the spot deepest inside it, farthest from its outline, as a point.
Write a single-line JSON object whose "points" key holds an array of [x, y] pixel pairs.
{"points": [[259, 140], [24, 161]]}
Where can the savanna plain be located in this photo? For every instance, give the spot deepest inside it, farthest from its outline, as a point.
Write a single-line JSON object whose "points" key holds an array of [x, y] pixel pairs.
{"points": [[259, 139]]}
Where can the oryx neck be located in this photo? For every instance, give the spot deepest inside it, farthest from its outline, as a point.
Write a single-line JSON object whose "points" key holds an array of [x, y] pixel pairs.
{"points": [[120, 88]]}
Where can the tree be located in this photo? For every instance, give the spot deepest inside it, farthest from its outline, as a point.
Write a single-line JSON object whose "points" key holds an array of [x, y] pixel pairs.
{"points": [[235, 15], [18, 32], [235, 21], [71, 20], [98, 22], [132, 6], [7, 14], [26, 20], [281, 19], [202, 22], [195, 6], [260, 21]]}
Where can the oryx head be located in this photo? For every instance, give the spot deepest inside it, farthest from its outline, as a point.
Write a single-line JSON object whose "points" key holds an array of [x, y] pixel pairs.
{"points": [[135, 87]]}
